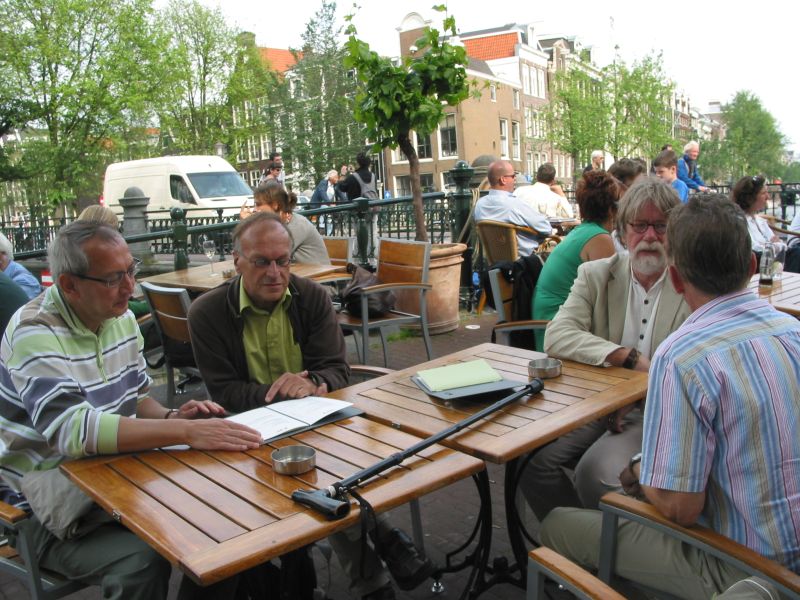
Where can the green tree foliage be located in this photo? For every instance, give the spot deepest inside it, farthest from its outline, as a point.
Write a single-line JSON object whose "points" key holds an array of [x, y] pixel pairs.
{"points": [[202, 56], [88, 69], [324, 134], [791, 173], [639, 100], [753, 144], [577, 116], [392, 100]]}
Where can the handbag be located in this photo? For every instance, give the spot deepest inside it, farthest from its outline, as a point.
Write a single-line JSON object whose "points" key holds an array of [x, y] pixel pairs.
{"points": [[378, 303]]}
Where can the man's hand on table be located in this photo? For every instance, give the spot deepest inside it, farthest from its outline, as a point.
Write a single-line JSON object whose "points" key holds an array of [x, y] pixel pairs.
{"points": [[615, 419], [294, 385]]}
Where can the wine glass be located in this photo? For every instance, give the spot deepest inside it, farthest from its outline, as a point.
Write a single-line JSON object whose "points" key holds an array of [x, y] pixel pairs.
{"points": [[209, 249]]}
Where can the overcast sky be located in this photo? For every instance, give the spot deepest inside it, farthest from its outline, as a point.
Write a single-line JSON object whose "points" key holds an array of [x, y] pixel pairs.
{"points": [[711, 49]]}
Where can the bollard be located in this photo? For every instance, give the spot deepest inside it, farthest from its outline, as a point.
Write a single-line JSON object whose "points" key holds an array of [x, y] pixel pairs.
{"points": [[179, 237], [134, 204]]}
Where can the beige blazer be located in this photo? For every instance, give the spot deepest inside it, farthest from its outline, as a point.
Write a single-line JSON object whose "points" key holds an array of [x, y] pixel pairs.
{"points": [[589, 325]]}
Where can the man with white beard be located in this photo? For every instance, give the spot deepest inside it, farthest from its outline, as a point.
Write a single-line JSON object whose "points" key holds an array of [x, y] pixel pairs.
{"points": [[618, 311]]}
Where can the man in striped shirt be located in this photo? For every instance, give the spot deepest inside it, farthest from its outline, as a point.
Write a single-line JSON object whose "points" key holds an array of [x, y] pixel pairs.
{"points": [[72, 384], [720, 431]]}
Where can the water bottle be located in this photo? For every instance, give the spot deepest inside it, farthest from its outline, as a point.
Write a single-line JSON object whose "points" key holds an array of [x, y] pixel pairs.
{"points": [[766, 265]]}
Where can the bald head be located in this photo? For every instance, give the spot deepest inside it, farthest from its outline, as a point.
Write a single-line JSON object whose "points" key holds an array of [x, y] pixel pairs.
{"points": [[501, 175]]}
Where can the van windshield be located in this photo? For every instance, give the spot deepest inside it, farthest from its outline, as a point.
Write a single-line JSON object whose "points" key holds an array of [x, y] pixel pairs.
{"points": [[220, 185]]}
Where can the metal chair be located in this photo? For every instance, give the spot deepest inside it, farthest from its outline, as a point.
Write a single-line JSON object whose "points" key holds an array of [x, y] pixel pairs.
{"points": [[170, 309], [615, 506], [22, 564], [544, 564], [402, 265], [502, 293]]}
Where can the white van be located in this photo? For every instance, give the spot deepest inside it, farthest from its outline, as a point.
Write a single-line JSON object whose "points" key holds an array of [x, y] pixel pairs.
{"points": [[208, 182]]}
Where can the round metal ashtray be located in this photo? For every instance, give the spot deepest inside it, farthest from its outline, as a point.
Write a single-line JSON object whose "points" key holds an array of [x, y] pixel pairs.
{"points": [[294, 460], [544, 368], [228, 273]]}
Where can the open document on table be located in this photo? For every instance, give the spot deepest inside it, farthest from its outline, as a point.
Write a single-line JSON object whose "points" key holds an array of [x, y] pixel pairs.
{"points": [[277, 420]]}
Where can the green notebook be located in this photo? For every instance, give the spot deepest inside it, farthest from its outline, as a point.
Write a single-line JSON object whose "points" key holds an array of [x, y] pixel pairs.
{"points": [[473, 372]]}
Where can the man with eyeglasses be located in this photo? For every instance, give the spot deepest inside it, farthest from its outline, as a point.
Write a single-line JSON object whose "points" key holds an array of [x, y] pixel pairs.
{"points": [[73, 383], [618, 311], [267, 336], [500, 204]]}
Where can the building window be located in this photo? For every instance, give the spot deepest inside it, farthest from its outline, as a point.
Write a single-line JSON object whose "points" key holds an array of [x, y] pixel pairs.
{"points": [[424, 149], [493, 93], [426, 183], [515, 98], [526, 79], [447, 136], [252, 148], [515, 141], [531, 166], [402, 186], [265, 146], [504, 138], [255, 175], [529, 121], [248, 112], [540, 75]]}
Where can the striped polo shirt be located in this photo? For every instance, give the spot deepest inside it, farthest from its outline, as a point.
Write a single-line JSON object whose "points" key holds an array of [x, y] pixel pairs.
{"points": [[723, 415], [63, 388]]}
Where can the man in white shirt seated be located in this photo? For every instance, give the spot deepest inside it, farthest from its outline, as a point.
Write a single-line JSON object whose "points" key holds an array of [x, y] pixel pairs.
{"points": [[542, 198], [500, 204]]}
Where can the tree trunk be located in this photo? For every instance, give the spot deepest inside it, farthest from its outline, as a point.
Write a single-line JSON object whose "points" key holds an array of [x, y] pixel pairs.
{"points": [[416, 190]]}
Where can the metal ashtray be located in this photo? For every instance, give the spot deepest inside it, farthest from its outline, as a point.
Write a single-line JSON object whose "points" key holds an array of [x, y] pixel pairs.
{"points": [[544, 368], [228, 273], [294, 460]]}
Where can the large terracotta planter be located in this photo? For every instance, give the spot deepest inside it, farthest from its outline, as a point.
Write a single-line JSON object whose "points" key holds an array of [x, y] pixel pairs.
{"points": [[444, 274]]}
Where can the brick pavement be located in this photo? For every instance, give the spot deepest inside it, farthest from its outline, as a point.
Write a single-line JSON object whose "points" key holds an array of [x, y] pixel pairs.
{"points": [[447, 515]]}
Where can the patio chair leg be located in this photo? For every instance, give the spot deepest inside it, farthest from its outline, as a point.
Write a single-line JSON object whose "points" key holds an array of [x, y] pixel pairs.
{"points": [[170, 386], [365, 345], [385, 349]]}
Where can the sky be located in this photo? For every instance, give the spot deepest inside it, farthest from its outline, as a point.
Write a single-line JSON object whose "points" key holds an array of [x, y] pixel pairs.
{"points": [[711, 49]]}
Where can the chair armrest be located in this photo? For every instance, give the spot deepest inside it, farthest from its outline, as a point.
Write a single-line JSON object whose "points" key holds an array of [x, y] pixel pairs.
{"points": [[773, 219], [567, 573], [783, 231], [703, 538], [11, 514], [380, 287], [369, 370], [333, 278]]}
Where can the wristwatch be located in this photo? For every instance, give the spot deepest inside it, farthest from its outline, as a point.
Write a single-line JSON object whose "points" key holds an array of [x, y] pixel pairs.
{"points": [[632, 359], [636, 458]]}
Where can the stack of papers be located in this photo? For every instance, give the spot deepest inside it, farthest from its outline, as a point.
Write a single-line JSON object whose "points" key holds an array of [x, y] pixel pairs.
{"points": [[473, 372]]}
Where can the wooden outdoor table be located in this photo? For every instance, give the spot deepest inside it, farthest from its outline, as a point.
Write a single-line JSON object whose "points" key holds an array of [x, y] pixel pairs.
{"points": [[200, 279], [214, 514], [784, 294], [580, 395]]}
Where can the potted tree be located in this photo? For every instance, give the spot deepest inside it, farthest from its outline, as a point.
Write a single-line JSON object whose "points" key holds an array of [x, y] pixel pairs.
{"points": [[392, 100]]}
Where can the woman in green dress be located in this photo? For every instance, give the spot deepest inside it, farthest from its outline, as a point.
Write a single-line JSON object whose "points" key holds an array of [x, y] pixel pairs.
{"points": [[597, 196]]}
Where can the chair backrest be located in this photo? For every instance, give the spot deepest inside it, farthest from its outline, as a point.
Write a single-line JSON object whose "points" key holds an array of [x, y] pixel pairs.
{"points": [[499, 240], [170, 308], [502, 293], [340, 249], [403, 261]]}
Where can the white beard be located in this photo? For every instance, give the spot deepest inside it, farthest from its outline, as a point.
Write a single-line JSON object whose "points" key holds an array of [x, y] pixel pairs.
{"points": [[648, 264]]}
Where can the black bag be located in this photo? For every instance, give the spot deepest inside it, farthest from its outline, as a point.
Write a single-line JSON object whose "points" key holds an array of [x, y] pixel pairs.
{"points": [[378, 304]]}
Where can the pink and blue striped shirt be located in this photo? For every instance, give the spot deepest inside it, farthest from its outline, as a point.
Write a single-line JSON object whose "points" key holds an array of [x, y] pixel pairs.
{"points": [[723, 415]]}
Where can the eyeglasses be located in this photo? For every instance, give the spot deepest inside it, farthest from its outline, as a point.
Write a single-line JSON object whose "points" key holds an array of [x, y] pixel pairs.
{"points": [[641, 227], [514, 174], [263, 263], [276, 168], [116, 279]]}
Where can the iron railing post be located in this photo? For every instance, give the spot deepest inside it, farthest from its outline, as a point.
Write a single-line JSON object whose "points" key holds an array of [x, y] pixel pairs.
{"points": [[179, 237]]}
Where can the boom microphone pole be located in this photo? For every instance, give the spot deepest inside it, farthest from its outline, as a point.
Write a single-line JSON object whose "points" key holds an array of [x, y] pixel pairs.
{"points": [[332, 501]]}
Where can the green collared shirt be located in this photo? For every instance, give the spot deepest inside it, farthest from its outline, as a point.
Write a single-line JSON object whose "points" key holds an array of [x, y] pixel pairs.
{"points": [[268, 339]]}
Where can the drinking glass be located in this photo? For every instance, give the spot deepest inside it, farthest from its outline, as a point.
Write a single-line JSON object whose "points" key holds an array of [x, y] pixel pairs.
{"points": [[780, 259], [209, 249]]}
